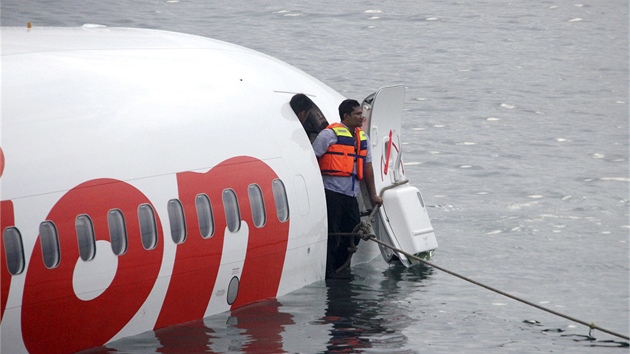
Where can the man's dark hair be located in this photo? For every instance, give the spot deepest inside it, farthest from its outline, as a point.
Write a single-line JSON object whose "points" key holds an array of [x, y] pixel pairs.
{"points": [[300, 103], [347, 106]]}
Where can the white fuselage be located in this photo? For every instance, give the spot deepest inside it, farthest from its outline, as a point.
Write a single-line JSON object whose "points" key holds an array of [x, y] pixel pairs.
{"points": [[143, 154]]}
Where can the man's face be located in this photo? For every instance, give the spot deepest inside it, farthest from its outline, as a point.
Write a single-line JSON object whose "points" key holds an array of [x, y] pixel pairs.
{"points": [[355, 119]]}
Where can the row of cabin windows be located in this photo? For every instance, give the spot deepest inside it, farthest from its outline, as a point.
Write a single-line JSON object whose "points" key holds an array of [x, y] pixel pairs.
{"points": [[49, 236]]}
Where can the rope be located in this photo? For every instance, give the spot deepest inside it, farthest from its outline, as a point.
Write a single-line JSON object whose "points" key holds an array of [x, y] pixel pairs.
{"points": [[360, 230], [372, 237]]}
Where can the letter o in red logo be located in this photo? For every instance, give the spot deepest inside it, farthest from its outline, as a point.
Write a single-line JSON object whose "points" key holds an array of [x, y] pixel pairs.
{"points": [[54, 319]]}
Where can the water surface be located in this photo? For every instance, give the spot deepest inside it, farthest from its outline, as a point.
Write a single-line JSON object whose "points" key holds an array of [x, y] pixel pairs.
{"points": [[516, 131]]}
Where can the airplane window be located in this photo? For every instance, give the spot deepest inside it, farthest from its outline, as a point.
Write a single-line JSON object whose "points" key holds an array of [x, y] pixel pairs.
{"points": [[49, 239], [232, 212], [177, 220], [148, 229], [117, 231], [257, 204], [204, 214], [280, 197], [14, 250], [85, 237]]}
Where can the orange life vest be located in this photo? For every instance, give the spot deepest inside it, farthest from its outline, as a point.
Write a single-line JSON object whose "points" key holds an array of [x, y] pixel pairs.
{"points": [[339, 159]]}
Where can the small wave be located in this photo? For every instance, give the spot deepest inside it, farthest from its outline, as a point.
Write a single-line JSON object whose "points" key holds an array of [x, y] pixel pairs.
{"points": [[493, 119], [618, 179], [385, 338], [508, 106], [535, 196], [554, 330], [373, 11], [519, 206], [445, 207], [575, 19]]}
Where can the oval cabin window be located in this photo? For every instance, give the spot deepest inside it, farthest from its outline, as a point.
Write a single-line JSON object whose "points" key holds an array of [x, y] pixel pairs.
{"points": [[49, 240], [148, 228], [232, 212], [13, 250], [117, 231], [280, 197], [176, 220], [204, 215], [85, 237], [257, 204]]}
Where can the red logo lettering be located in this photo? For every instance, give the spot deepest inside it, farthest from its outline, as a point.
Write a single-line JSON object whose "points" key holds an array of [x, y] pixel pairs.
{"points": [[6, 220], [197, 260], [54, 319]]}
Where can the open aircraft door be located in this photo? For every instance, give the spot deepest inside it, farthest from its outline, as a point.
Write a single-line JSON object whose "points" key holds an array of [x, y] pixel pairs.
{"points": [[403, 220]]}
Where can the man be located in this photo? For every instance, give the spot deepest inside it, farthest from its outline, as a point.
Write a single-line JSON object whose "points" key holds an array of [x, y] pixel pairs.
{"points": [[344, 154], [302, 106]]}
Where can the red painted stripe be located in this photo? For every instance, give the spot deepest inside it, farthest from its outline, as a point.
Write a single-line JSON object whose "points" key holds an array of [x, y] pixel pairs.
{"points": [[6, 219]]}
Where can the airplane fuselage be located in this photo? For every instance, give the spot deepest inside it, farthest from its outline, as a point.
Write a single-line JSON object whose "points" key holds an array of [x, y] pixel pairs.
{"points": [[149, 178]]}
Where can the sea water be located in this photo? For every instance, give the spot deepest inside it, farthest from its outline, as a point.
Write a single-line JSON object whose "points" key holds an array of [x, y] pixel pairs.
{"points": [[516, 132]]}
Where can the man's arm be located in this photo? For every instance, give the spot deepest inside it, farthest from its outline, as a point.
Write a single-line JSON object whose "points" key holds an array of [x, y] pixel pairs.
{"points": [[369, 182], [323, 140]]}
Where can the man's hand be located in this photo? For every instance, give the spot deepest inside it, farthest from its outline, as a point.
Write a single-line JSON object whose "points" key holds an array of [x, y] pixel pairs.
{"points": [[376, 200]]}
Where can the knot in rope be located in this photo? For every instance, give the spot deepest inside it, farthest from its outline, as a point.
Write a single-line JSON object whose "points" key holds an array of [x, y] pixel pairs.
{"points": [[363, 230]]}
